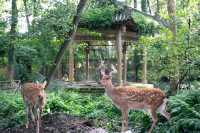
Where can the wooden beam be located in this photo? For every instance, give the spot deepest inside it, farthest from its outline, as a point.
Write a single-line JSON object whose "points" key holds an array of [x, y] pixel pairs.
{"points": [[104, 38], [105, 45], [108, 32], [107, 35]]}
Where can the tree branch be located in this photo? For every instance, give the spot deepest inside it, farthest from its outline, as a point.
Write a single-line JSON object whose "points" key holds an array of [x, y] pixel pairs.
{"points": [[156, 17]]}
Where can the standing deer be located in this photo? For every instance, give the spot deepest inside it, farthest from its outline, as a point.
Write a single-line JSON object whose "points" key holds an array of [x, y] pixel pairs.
{"points": [[129, 97], [34, 99]]}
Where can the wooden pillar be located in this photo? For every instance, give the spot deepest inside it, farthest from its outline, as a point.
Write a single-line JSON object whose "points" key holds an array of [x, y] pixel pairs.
{"points": [[125, 62], [59, 71], [135, 66], [71, 63], [119, 55], [87, 51], [144, 65]]}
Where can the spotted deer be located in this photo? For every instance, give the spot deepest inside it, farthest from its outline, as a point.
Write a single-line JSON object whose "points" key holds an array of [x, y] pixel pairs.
{"points": [[129, 97], [34, 98]]}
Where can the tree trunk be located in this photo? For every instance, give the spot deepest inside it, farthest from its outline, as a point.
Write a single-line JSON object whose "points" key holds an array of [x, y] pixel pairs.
{"points": [[26, 12], [71, 63], [171, 8], [135, 3], [67, 40], [157, 7], [11, 57], [174, 77], [149, 6], [35, 8], [144, 5]]}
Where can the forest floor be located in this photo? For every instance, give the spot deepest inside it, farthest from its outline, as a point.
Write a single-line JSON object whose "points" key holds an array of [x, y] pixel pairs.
{"points": [[59, 123]]}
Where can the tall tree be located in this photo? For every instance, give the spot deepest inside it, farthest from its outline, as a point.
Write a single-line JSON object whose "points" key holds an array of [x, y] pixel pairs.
{"points": [[68, 40], [36, 10], [156, 16], [135, 4], [171, 8], [144, 5], [27, 14], [174, 77], [11, 58]]}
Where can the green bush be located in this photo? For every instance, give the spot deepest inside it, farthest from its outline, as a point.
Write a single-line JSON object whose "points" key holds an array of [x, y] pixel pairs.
{"points": [[184, 109], [98, 108], [11, 109]]}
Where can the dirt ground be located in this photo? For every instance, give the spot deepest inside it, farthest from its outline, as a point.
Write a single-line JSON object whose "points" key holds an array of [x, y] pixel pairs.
{"points": [[59, 123]]}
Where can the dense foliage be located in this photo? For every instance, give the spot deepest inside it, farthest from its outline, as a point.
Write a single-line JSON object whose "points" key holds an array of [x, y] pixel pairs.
{"points": [[36, 49], [184, 109], [170, 56], [185, 113]]}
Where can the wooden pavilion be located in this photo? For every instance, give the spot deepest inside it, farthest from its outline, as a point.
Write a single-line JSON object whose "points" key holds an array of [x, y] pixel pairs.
{"points": [[122, 30]]}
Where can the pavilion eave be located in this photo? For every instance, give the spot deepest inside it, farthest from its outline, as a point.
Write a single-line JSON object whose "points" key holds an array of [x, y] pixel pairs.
{"points": [[107, 35]]}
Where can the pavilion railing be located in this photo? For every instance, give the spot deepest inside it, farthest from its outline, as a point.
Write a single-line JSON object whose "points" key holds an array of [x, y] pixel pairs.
{"points": [[10, 85]]}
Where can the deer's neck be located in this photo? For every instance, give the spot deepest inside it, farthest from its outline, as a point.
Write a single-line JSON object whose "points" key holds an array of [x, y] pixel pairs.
{"points": [[109, 89]]}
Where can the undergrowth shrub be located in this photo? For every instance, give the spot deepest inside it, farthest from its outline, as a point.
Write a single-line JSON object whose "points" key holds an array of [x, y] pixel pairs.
{"points": [[11, 109], [185, 112], [184, 109], [98, 108]]}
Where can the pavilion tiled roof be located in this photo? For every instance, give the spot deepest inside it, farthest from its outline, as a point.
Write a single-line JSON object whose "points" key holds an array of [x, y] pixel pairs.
{"points": [[122, 16]]}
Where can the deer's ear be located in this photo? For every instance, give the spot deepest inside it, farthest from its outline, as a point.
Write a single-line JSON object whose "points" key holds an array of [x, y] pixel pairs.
{"points": [[114, 70], [44, 84], [102, 72]]}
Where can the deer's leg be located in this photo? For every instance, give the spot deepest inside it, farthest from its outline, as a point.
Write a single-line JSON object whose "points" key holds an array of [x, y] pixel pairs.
{"points": [[162, 110], [165, 114], [38, 121], [124, 120], [27, 115], [154, 119], [39, 110], [31, 109]]}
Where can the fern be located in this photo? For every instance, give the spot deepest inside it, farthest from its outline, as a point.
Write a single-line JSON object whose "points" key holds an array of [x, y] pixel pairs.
{"points": [[185, 111]]}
